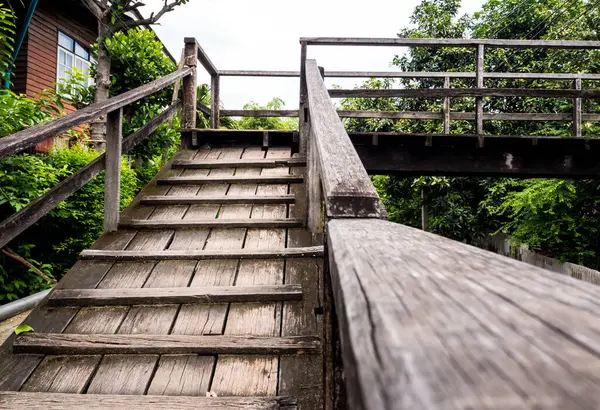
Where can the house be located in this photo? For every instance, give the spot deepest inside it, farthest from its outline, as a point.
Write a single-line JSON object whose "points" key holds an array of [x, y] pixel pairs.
{"points": [[53, 37]]}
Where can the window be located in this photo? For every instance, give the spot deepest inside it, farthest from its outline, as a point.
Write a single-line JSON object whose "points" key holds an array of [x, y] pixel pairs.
{"points": [[71, 55]]}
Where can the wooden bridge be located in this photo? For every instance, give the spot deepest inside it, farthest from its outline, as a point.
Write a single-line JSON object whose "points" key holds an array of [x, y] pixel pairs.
{"points": [[258, 270]]}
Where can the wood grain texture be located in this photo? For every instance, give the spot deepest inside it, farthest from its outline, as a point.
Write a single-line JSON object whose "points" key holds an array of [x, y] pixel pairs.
{"points": [[448, 42], [464, 92], [427, 322], [308, 252], [62, 374], [58, 401], [240, 163], [259, 113], [112, 181], [347, 188], [138, 344], [178, 295], [210, 223], [228, 199], [283, 179]]}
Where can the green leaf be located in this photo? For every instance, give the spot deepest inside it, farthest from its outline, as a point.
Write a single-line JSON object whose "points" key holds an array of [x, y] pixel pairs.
{"points": [[23, 328]]}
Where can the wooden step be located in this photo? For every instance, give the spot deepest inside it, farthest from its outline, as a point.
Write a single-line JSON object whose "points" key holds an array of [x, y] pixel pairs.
{"points": [[241, 163], [115, 255], [156, 296], [259, 179], [220, 200], [60, 401], [210, 223], [83, 344]]}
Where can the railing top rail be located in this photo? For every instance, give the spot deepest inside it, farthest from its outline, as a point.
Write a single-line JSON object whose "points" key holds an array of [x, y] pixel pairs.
{"points": [[203, 57], [347, 188], [23, 139], [258, 73], [448, 42]]}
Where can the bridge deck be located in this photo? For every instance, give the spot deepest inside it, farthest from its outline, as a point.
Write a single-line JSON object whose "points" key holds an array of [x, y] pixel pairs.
{"points": [[257, 341]]}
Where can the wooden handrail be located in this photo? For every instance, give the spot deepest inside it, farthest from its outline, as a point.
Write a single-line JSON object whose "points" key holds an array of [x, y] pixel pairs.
{"points": [[202, 56], [17, 223], [448, 42], [463, 92], [347, 189], [23, 139]]}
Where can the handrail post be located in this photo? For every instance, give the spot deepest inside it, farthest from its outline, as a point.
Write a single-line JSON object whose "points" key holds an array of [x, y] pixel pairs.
{"points": [[479, 100], [188, 112], [447, 107], [303, 102], [215, 85], [112, 182], [576, 126]]}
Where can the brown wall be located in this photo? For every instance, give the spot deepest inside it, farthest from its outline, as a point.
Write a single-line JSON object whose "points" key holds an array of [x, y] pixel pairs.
{"points": [[36, 63]]}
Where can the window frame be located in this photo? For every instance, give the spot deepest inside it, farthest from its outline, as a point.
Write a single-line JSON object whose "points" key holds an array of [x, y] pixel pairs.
{"points": [[71, 52]]}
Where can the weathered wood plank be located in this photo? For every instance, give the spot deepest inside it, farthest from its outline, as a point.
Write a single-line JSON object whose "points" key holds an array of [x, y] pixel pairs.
{"points": [[259, 113], [61, 374], [464, 92], [227, 199], [208, 223], [182, 375], [112, 183], [189, 92], [19, 141], [139, 344], [302, 376], [123, 374], [258, 73], [449, 42], [58, 401], [240, 163], [284, 179], [453, 74], [177, 295], [347, 187], [469, 333], [202, 56]]}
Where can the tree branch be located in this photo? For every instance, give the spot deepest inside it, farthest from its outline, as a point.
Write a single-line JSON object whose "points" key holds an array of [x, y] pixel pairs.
{"points": [[153, 19], [11, 254], [94, 7]]}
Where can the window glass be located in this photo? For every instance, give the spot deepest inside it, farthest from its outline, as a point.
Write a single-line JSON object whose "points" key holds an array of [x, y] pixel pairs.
{"points": [[65, 41], [81, 52]]}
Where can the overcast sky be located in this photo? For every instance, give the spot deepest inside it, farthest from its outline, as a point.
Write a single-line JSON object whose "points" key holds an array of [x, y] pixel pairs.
{"points": [[264, 34]]}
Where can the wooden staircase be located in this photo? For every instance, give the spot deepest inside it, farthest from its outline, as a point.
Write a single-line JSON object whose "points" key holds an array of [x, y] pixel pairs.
{"points": [[208, 296]]}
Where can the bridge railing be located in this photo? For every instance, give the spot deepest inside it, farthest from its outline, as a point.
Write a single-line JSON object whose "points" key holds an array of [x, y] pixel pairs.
{"points": [[110, 161], [417, 321]]}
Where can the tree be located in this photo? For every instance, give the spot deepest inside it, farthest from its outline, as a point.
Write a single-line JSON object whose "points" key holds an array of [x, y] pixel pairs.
{"points": [[112, 19]]}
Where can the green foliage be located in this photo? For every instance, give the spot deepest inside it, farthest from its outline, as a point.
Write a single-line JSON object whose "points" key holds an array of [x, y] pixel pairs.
{"points": [[7, 40], [23, 328], [73, 225], [266, 123], [557, 218]]}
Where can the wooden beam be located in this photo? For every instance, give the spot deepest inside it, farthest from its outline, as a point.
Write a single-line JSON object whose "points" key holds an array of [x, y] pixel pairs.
{"points": [[23, 139], [458, 155], [258, 73], [576, 126], [348, 191], [188, 114], [157, 296], [60, 401], [303, 102], [215, 98], [211, 223], [240, 163], [479, 67], [446, 111], [464, 92], [202, 56], [112, 179], [17, 223], [451, 318], [82, 344], [459, 74], [404, 115], [449, 42], [259, 113], [259, 179], [219, 200], [204, 109], [112, 255]]}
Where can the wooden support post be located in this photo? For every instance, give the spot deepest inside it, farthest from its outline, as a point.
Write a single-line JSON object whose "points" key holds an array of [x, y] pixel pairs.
{"points": [[303, 103], [479, 100], [577, 110], [112, 182], [214, 92], [314, 191], [447, 107], [188, 112]]}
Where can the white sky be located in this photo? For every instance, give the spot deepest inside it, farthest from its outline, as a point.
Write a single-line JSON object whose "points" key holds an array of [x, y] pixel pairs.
{"points": [[264, 34]]}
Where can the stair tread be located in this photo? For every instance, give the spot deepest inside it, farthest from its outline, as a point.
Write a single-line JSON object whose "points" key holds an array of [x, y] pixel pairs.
{"points": [[212, 223], [225, 199]]}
